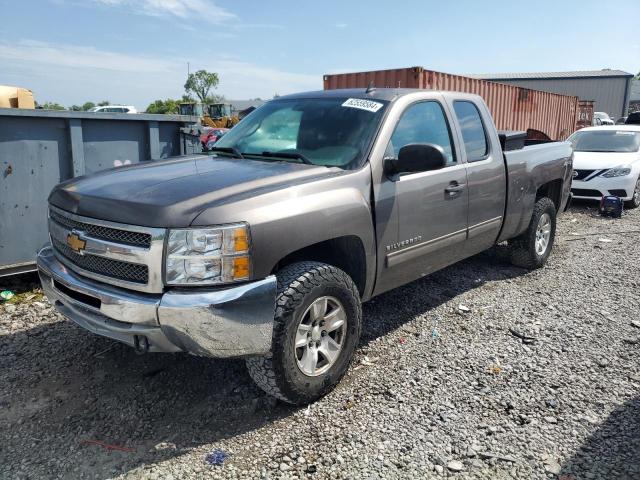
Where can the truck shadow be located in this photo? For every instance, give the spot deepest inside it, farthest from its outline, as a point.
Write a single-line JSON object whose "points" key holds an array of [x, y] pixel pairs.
{"points": [[613, 450], [58, 381], [61, 387], [393, 309]]}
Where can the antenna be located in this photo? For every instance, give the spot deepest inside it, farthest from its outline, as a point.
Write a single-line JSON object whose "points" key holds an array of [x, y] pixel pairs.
{"points": [[371, 87]]}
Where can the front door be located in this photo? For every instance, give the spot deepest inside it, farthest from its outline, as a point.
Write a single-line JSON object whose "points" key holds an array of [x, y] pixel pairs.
{"points": [[431, 206]]}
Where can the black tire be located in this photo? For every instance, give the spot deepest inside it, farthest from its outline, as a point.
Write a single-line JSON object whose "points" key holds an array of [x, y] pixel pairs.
{"points": [[523, 247], [299, 285], [635, 201]]}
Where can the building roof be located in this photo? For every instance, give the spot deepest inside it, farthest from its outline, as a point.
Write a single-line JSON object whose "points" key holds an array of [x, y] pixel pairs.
{"points": [[605, 72]]}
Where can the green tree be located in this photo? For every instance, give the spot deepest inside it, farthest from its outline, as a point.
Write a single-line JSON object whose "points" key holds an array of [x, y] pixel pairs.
{"points": [[75, 108], [88, 106], [215, 99], [52, 106], [200, 83], [104, 103], [163, 106]]}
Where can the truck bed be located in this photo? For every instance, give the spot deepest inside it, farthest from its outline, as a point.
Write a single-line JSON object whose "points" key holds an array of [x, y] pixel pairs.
{"points": [[527, 169]]}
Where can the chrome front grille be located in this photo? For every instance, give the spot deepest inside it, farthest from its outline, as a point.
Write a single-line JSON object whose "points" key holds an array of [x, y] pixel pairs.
{"points": [[138, 239], [130, 272], [122, 255]]}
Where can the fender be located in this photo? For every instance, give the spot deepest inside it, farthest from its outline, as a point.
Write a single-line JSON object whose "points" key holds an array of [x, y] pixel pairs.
{"points": [[286, 220]]}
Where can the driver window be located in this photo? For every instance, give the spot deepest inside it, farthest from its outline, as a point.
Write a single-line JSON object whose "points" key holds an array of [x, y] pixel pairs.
{"points": [[423, 122]]}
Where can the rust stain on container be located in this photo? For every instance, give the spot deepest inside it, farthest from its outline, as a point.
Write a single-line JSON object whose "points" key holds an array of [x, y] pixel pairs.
{"points": [[513, 108]]}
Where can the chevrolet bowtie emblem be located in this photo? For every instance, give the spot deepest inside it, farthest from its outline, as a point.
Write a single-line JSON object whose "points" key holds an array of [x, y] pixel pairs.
{"points": [[75, 242]]}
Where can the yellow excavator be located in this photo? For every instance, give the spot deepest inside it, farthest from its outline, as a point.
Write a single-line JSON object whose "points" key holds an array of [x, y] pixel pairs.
{"points": [[215, 115]]}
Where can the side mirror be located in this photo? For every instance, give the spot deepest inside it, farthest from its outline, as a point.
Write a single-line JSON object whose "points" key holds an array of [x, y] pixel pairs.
{"points": [[416, 157]]}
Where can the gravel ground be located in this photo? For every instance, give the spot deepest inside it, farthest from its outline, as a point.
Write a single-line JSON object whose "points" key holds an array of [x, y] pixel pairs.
{"points": [[482, 370]]}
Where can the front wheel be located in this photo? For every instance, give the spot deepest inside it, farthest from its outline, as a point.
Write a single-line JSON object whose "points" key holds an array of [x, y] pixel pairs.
{"points": [[532, 248], [315, 333], [635, 200]]}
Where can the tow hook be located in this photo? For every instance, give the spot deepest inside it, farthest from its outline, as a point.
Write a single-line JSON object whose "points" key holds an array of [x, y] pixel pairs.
{"points": [[140, 344]]}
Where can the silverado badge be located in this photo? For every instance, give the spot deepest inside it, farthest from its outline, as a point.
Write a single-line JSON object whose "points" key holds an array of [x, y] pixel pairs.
{"points": [[75, 242]]}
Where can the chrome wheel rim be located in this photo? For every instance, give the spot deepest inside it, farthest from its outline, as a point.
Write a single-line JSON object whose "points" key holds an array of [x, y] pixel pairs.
{"points": [[543, 233], [320, 336]]}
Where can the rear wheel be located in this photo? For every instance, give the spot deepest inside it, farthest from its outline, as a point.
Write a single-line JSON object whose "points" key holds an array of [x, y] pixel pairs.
{"points": [[532, 248], [635, 201], [315, 333]]}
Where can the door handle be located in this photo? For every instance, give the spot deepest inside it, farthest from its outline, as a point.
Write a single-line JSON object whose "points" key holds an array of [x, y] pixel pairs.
{"points": [[454, 189]]}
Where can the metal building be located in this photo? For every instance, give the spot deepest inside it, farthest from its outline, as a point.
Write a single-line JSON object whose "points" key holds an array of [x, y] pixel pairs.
{"points": [[634, 98], [609, 89]]}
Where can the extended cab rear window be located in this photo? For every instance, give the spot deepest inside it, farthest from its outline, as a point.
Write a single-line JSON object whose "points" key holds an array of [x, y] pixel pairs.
{"points": [[472, 128]]}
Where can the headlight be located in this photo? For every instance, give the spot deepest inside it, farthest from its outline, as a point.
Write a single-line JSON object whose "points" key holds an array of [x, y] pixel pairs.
{"points": [[208, 256], [617, 172]]}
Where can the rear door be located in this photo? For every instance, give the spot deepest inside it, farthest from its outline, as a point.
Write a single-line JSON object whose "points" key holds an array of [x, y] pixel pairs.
{"points": [[486, 175], [431, 205]]}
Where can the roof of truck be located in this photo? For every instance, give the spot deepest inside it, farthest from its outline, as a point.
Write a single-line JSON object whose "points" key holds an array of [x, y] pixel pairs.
{"points": [[376, 93]]}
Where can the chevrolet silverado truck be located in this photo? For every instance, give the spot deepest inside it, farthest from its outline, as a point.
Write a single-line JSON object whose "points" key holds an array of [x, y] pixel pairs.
{"points": [[266, 248]]}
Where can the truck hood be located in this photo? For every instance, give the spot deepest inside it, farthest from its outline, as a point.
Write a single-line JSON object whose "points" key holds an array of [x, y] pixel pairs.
{"points": [[173, 193], [602, 160]]}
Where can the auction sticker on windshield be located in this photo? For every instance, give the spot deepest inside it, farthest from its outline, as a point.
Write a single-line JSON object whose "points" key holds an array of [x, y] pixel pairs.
{"points": [[367, 105]]}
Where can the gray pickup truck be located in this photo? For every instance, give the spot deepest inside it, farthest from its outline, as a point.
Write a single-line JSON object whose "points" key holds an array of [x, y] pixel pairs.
{"points": [[311, 205]]}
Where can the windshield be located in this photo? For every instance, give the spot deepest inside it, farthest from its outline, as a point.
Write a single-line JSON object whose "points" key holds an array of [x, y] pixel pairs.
{"points": [[332, 132], [621, 141]]}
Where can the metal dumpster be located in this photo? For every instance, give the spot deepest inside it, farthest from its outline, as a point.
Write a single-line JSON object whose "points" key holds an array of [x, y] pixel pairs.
{"points": [[40, 148]]}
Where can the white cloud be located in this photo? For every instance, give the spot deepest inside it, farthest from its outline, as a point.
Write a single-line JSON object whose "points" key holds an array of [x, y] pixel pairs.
{"points": [[266, 26], [71, 74], [203, 10], [79, 56], [341, 25]]}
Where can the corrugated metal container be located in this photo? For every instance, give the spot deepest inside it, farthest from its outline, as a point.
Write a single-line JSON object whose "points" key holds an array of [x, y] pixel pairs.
{"points": [[513, 108], [39, 148], [585, 113]]}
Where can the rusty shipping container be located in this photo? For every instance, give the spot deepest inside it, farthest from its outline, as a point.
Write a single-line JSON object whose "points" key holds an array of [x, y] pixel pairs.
{"points": [[585, 113], [513, 108]]}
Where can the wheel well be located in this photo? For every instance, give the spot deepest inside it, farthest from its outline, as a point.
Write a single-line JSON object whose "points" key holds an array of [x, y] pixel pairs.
{"points": [[346, 253], [552, 190]]}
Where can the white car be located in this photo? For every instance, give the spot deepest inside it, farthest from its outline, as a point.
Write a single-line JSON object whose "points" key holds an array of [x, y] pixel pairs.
{"points": [[114, 109], [606, 161], [604, 118]]}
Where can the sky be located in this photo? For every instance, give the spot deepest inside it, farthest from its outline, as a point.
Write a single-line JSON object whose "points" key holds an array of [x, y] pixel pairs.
{"points": [[135, 51]]}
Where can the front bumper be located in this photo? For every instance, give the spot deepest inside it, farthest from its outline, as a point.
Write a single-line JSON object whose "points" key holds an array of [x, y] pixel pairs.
{"points": [[222, 323], [598, 187]]}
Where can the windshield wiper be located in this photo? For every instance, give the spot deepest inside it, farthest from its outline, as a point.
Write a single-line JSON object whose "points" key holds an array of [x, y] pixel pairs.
{"points": [[292, 155], [230, 150]]}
